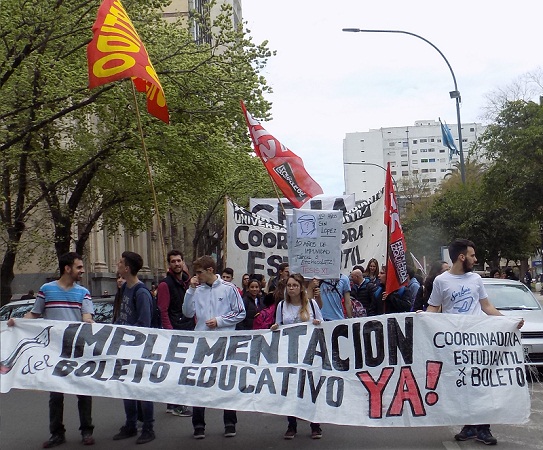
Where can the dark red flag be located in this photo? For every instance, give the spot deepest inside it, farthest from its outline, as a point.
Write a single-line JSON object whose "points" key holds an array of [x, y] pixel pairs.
{"points": [[286, 169], [396, 249]]}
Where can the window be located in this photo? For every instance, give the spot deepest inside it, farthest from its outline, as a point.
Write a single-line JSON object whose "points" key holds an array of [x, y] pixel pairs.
{"points": [[442, 160], [392, 172], [432, 180], [414, 141], [414, 161], [431, 150], [424, 160], [423, 140], [433, 170], [432, 160], [405, 144], [438, 140], [441, 150], [405, 163], [393, 164], [391, 144], [424, 171], [404, 155], [414, 152], [391, 153], [424, 150], [405, 173], [432, 139], [443, 170], [464, 140], [415, 172], [472, 129]]}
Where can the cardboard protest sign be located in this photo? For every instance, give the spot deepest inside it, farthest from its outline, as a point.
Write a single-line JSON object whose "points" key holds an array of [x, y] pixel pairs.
{"points": [[315, 246]]}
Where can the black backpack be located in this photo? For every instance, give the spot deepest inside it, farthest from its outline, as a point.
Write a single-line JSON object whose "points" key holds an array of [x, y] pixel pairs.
{"points": [[156, 319]]}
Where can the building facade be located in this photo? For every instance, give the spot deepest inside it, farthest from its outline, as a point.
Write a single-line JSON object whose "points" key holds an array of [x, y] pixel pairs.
{"points": [[415, 153]]}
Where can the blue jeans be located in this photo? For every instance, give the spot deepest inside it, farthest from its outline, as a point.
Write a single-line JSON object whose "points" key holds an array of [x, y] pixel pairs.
{"points": [[131, 411]]}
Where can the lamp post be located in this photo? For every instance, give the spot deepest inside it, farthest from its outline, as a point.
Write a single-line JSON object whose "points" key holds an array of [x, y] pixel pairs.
{"points": [[454, 94]]}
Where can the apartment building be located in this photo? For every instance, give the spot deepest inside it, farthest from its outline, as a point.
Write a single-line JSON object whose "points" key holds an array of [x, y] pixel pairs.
{"points": [[414, 152]]}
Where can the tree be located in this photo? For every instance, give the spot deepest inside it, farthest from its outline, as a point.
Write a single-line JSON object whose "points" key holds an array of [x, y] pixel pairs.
{"points": [[78, 152]]}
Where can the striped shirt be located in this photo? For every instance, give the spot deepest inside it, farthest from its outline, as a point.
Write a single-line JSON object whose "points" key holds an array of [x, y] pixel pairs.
{"points": [[53, 302]]}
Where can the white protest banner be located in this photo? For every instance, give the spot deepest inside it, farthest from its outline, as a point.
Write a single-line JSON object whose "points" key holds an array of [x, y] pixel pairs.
{"points": [[259, 245], [391, 370], [315, 249], [271, 209]]}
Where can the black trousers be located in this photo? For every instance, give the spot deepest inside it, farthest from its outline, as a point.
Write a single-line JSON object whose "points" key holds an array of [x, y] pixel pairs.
{"points": [[56, 413], [293, 423], [198, 417]]}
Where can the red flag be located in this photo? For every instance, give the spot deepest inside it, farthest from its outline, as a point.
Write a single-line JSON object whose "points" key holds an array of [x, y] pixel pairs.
{"points": [[116, 52], [286, 169], [396, 249]]}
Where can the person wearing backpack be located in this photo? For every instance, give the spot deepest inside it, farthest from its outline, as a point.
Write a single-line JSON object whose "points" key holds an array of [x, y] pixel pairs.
{"points": [[170, 298], [330, 295], [136, 309], [296, 308], [360, 293]]}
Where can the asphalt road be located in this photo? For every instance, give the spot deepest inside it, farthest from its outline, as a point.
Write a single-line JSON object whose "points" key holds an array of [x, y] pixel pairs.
{"points": [[24, 425]]}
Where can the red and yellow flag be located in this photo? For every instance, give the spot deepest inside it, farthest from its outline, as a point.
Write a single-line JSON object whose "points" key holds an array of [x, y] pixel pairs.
{"points": [[396, 249], [284, 166], [116, 52]]}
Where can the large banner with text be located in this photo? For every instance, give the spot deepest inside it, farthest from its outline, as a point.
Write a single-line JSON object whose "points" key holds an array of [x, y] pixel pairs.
{"points": [[257, 244], [391, 370]]}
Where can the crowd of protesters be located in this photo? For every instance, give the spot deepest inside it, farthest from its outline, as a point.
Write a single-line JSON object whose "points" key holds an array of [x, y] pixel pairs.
{"points": [[209, 302]]}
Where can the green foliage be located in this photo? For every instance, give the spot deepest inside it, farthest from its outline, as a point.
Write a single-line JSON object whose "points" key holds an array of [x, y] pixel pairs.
{"points": [[79, 152], [515, 144]]}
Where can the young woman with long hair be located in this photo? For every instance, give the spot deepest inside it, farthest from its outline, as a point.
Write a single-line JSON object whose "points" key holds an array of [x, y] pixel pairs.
{"points": [[372, 270], [297, 307]]}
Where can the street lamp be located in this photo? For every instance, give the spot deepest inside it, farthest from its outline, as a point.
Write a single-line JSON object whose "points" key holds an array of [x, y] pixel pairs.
{"points": [[454, 94]]}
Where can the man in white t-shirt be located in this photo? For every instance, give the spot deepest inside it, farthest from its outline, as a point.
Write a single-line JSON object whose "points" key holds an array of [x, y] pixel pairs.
{"points": [[461, 291]]}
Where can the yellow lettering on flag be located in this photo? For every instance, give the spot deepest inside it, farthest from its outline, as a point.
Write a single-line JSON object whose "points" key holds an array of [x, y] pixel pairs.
{"points": [[117, 52]]}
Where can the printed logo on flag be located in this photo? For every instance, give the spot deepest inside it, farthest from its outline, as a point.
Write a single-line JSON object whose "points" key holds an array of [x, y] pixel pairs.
{"points": [[286, 173], [397, 255]]}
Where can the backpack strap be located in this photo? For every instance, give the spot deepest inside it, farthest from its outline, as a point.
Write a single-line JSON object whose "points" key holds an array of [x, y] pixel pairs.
{"points": [[137, 287], [312, 308], [281, 315], [334, 286]]}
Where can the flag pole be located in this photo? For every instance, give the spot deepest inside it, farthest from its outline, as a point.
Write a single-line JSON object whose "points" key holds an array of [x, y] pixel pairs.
{"points": [[277, 195], [150, 176]]}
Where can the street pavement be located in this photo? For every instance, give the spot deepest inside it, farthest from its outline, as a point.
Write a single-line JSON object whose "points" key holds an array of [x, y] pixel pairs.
{"points": [[24, 425]]}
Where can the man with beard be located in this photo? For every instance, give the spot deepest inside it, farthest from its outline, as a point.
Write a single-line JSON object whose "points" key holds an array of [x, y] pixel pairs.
{"points": [[171, 295], [64, 299], [461, 291]]}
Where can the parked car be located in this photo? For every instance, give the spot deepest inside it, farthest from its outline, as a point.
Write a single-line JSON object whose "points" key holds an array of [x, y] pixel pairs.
{"points": [[103, 309], [513, 298]]}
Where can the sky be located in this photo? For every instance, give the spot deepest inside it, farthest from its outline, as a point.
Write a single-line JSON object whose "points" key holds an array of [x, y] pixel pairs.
{"points": [[327, 83]]}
